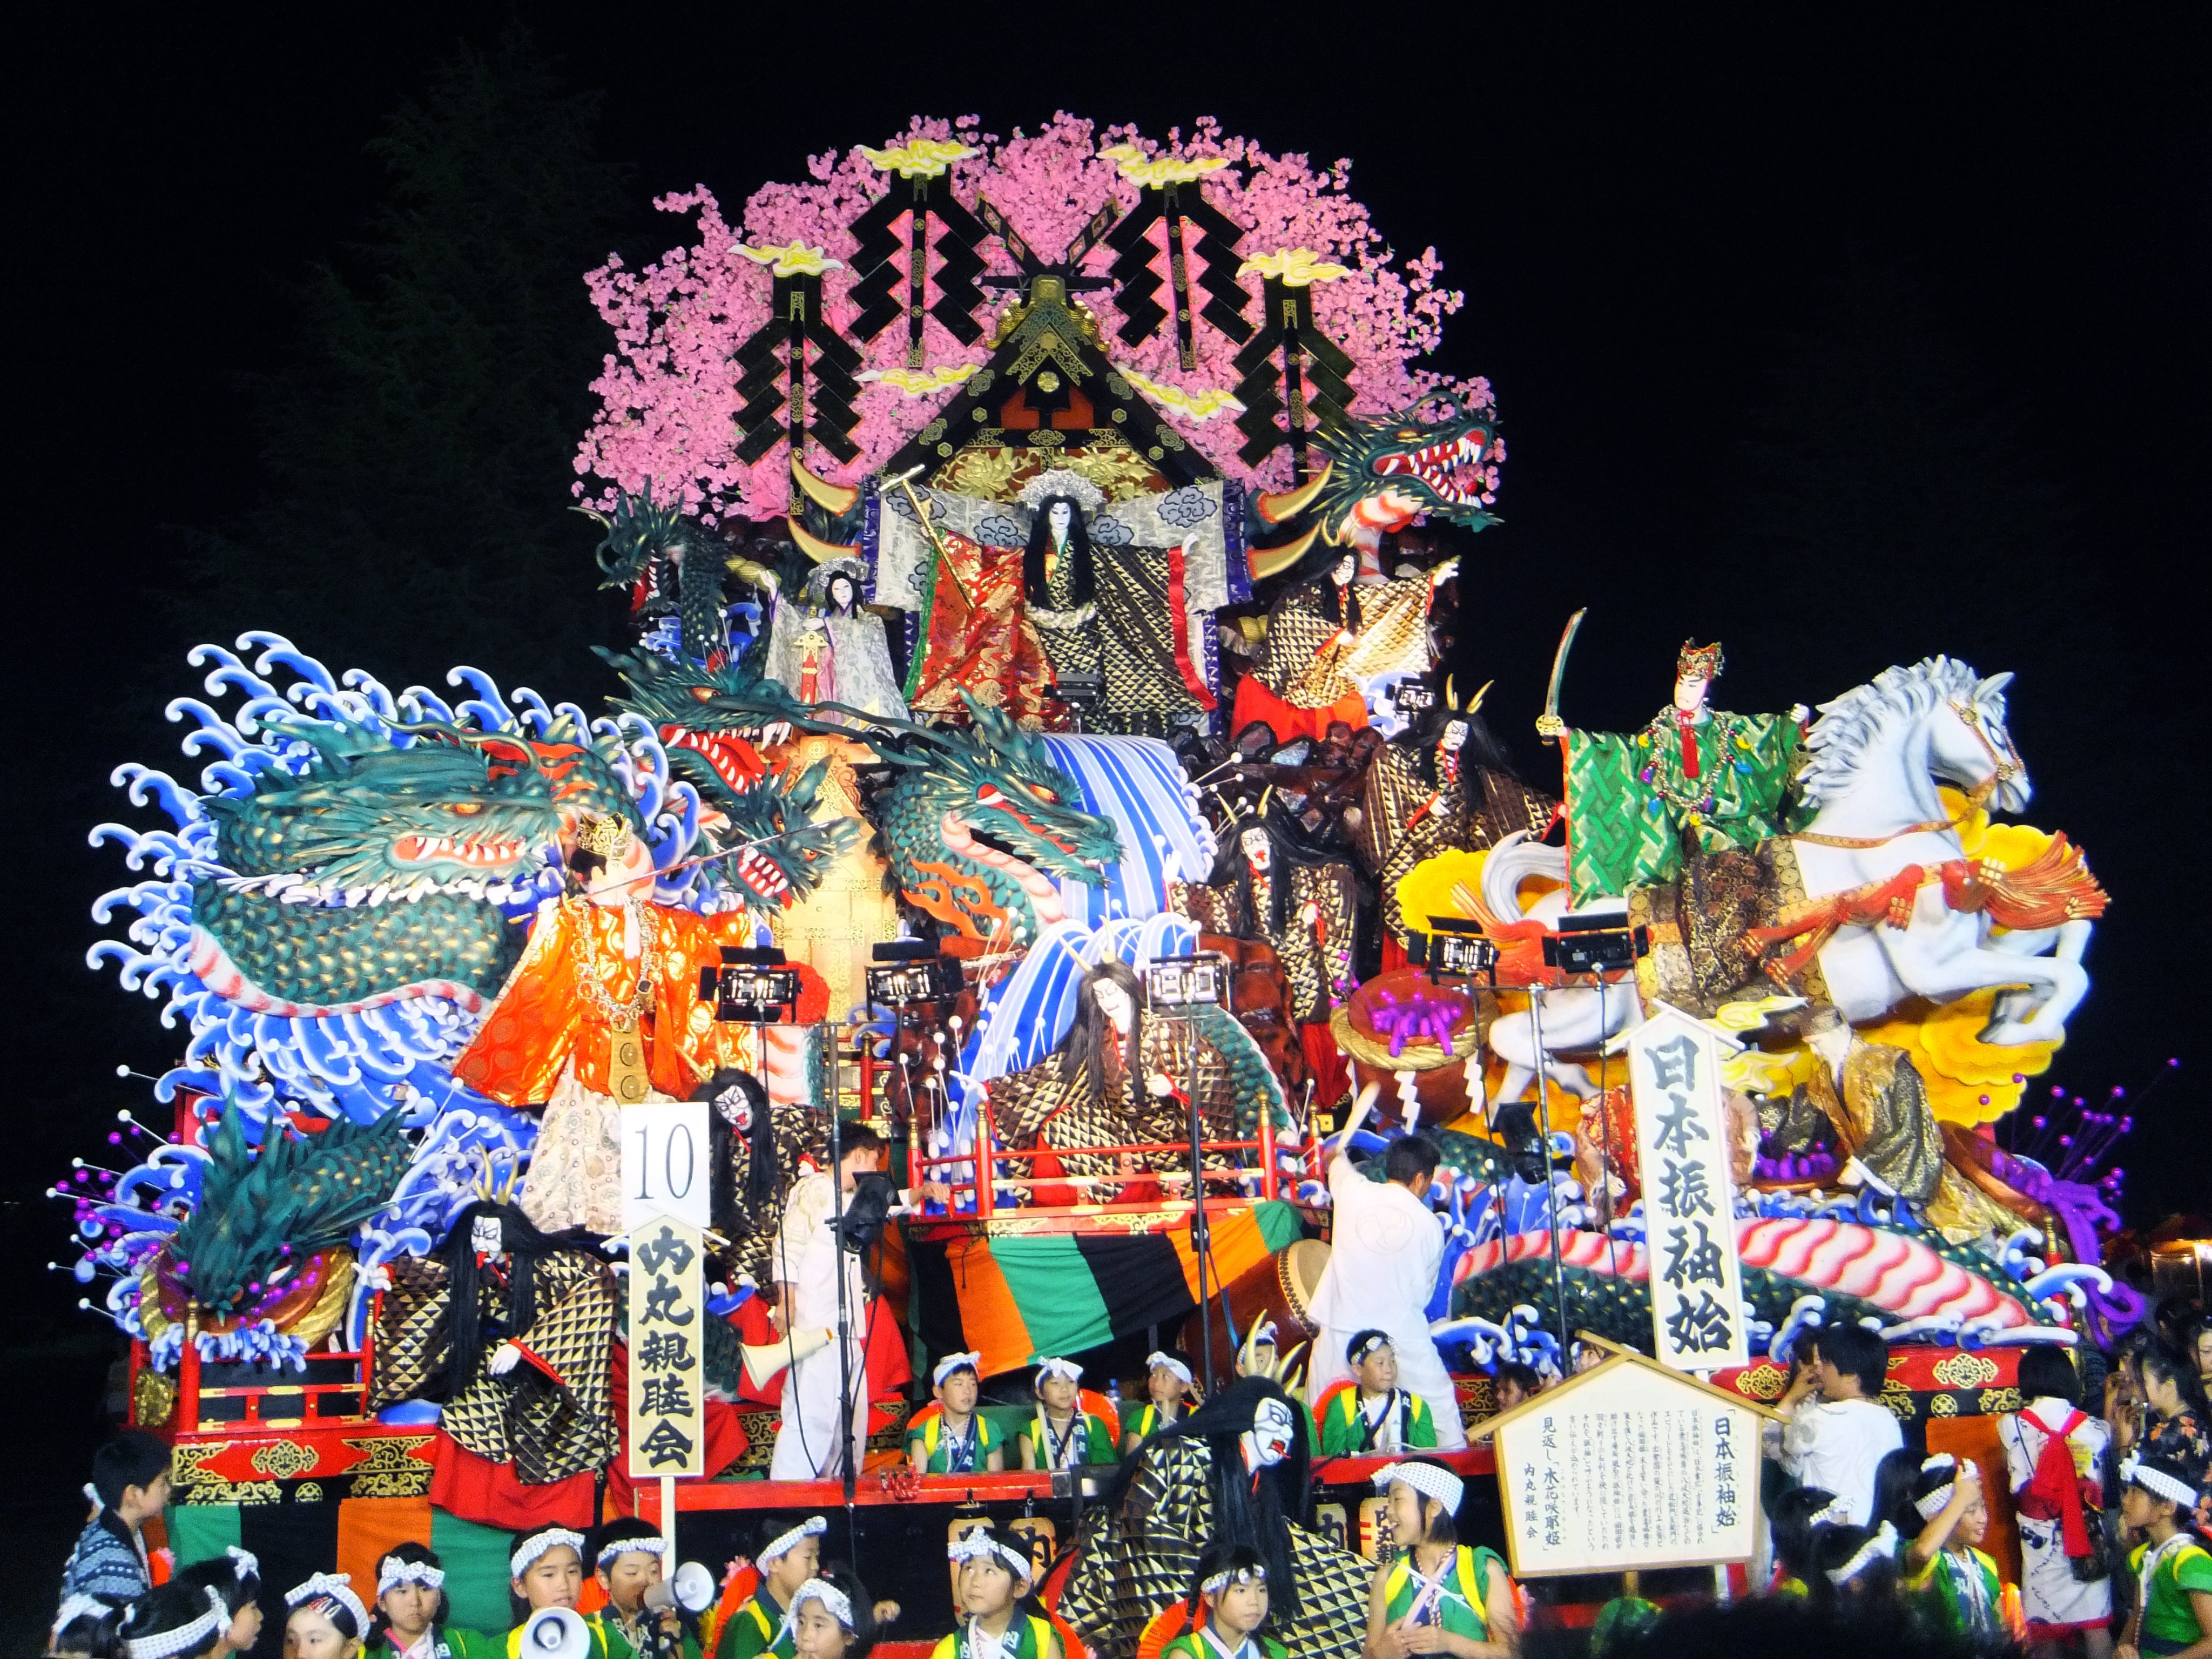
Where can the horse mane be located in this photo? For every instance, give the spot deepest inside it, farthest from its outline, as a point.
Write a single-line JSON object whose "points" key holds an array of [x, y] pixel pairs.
{"points": [[1839, 738]]}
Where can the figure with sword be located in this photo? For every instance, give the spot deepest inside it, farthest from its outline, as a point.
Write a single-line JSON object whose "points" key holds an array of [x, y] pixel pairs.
{"points": [[1695, 779]]}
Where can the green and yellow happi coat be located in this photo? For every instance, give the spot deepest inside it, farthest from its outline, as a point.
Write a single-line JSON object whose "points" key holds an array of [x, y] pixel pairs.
{"points": [[1456, 1599], [1632, 799]]}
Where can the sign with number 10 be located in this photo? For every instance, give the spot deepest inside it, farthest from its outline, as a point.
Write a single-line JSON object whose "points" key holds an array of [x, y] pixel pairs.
{"points": [[664, 1165]]}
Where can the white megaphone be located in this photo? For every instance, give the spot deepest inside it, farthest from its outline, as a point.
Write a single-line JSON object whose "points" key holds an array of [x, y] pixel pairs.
{"points": [[763, 1360], [695, 1588], [556, 1633]]}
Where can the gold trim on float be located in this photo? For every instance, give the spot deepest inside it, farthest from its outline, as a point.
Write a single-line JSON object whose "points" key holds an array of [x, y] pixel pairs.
{"points": [[840, 498], [814, 547], [1273, 561], [1284, 505]]}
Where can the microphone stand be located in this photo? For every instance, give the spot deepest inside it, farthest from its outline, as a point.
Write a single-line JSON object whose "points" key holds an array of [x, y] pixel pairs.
{"points": [[844, 1308]]}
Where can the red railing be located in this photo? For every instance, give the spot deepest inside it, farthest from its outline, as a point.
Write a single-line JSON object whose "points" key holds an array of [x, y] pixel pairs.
{"points": [[986, 1154]]}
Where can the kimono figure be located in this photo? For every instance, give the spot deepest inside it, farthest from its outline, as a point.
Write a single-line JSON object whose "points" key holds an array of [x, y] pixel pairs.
{"points": [[1120, 616], [1695, 776], [825, 647], [602, 1012], [1445, 785], [511, 1331], [1234, 1471], [1270, 883], [1324, 636], [1876, 1107], [1119, 1077], [758, 1145], [977, 637]]}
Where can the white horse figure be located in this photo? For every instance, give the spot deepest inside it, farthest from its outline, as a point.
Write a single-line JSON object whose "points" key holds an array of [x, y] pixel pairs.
{"points": [[1878, 753]]}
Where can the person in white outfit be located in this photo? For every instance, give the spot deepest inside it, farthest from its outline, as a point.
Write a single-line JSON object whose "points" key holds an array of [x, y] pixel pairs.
{"points": [[807, 1260], [1385, 1245]]}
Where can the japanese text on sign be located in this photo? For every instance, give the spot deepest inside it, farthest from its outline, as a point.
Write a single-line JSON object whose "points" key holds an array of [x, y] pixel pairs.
{"points": [[667, 1312], [1689, 1200], [1623, 1473]]}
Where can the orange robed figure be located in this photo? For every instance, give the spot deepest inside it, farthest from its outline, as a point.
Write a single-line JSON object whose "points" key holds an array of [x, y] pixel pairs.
{"points": [[602, 1012]]}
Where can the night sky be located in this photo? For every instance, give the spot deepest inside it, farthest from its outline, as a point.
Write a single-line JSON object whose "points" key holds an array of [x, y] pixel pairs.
{"points": [[1670, 240]]}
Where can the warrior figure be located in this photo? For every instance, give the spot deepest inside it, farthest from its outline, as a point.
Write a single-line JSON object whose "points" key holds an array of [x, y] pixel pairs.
{"points": [[1323, 634], [1445, 784], [602, 1012], [510, 1331], [1700, 778], [1119, 1078]]}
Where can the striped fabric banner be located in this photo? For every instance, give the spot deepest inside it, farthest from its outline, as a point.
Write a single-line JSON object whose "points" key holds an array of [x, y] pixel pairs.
{"points": [[1015, 1299], [1139, 783]]}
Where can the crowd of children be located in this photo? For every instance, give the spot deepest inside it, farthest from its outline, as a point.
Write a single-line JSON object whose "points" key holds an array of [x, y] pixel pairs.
{"points": [[2111, 1509]]}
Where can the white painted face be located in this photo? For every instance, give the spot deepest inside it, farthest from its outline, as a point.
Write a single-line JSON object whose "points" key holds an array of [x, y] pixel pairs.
{"points": [[1114, 1003], [841, 593], [486, 1237], [1690, 692], [1060, 515], [1346, 569], [1271, 1437], [1257, 848], [1455, 738]]}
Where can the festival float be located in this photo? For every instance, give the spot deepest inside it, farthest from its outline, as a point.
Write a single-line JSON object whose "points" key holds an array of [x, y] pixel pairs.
{"points": [[1031, 743]]}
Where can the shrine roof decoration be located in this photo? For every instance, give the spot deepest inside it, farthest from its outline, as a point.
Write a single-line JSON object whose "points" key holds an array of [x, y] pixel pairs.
{"points": [[1166, 303]]}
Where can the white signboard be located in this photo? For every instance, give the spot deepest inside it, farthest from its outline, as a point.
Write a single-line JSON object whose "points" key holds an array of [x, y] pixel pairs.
{"points": [[1627, 1467], [665, 1171], [1689, 1199]]}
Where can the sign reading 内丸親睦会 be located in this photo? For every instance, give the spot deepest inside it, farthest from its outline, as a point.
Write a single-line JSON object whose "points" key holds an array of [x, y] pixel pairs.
{"points": [[665, 1183]]}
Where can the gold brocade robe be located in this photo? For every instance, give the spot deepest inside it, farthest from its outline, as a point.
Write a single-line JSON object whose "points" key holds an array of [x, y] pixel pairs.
{"points": [[1882, 1118], [1306, 660], [1405, 819], [546, 1020], [1039, 1107], [1316, 955], [552, 1415]]}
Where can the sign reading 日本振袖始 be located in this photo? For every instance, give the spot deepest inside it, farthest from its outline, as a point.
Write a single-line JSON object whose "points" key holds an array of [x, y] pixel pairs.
{"points": [[1628, 1467], [1689, 1195]]}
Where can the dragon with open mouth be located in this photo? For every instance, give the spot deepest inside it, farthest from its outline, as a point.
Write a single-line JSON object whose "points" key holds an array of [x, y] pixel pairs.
{"points": [[979, 823]]}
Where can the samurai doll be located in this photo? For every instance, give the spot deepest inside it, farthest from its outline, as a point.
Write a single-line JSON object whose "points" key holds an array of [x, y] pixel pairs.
{"points": [[1122, 618], [510, 1331], [1272, 883], [1443, 784], [602, 1012], [826, 647], [1121, 1077], [1325, 634], [756, 1147], [1233, 1471], [1696, 779]]}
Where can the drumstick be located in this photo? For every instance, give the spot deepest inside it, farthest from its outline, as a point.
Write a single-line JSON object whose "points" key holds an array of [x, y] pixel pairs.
{"points": [[1360, 1109]]}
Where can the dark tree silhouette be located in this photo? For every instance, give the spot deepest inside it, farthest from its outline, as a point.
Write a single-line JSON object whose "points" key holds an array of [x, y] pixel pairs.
{"points": [[417, 442]]}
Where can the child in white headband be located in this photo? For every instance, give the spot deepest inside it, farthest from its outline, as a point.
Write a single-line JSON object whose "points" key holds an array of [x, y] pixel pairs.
{"points": [[1957, 1587], [1227, 1609], [1372, 1413], [951, 1438], [233, 1578], [1435, 1580], [410, 1603], [788, 1554], [1061, 1435], [327, 1620], [176, 1621], [2173, 1574], [1257, 1358], [994, 1578], [1168, 1391], [545, 1571], [831, 1617], [626, 1557]]}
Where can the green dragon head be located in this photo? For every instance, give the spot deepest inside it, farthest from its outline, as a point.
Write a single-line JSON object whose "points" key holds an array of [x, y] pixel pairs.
{"points": [[454, 812], [672, 566], [706, 718], [1384, 474], [261, 1217], [986, 805], [781, 853]]}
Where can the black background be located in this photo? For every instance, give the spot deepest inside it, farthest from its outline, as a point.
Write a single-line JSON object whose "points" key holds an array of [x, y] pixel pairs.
{"points": [[1661, 228]]}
